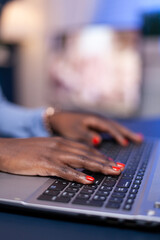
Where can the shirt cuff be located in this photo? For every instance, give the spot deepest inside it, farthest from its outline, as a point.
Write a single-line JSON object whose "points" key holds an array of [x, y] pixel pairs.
{"points": [[37, 124]]}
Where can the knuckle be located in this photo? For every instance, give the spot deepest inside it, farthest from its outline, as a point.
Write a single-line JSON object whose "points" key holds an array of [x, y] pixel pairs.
{"points": [[102, 167], [44, 159], [84, 135], [83, 158], [64, 169], [59, 142], [74, 176], [78, 177], [57, 139], [92, 150], [94, 119]]}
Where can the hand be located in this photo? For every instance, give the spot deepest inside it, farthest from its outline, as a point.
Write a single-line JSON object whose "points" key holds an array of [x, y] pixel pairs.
{"points": [[87, 128], [54, 157]]}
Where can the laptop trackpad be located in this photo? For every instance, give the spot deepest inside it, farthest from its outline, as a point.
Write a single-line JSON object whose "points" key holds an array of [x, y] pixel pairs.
{"points": [[16, 187]]}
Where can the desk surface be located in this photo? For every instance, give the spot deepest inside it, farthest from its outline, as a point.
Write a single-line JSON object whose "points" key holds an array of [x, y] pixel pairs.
{"points": [[16, 226]]}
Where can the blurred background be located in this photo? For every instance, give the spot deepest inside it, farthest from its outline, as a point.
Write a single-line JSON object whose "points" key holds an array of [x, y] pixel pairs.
{"points": [[101, 56]]}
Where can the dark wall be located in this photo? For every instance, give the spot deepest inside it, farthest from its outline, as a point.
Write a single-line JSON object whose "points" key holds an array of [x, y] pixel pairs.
{"points": [[7, 71]]}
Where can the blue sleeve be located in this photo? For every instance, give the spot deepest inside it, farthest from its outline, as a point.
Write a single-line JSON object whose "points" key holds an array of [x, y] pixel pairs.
{"points": [[20, 122]]}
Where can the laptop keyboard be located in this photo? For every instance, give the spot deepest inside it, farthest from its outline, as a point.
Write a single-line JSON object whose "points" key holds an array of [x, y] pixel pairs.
{"points": [[113, 192]]}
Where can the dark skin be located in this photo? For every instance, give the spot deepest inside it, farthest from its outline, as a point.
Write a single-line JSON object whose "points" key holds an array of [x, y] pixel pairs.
{"points": [[59, 156], [85, 127]]}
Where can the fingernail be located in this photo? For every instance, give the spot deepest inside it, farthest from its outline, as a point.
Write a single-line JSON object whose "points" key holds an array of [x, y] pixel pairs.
{"points": [[125, 142], [116, 168], [121, 165], [110, 159], [96, 140], [140, 135], [89, 178]]}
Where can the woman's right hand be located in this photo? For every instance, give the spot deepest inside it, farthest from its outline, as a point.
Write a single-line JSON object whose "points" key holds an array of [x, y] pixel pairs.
{"points": [[54, 157]]}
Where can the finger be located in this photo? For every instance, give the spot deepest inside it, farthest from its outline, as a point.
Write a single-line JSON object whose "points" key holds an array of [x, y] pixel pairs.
{"points": [[83, 147], [136, 137], [66, 145], [57, 168], [103, 125], [81, 161], [71, 174], [89, 136], [110, 127], [116, 130], [97, 157]]}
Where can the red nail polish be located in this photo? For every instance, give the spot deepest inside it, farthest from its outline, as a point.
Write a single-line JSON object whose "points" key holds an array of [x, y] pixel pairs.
{"points": [[121, 165], [96, 140], [89, 178], [125, 142], [116, 168], [110, 159]]}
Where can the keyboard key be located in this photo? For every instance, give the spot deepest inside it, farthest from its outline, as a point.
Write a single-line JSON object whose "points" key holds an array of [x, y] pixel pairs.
{"points": [[115, 199], [103, 193], [118, 194], [124, 183], [57, 187], [136, 186], [87, 191], [127, 207], [61, 182], [99, 198], [51, 192], [132, 195], [130, 171], [109, 183], [72, 189], [133, 190], [77, 185], [113, 205], [68, 194], [139, 177], [128, 176], [83, 196], [80, 201], [105, 188], [137, 182], [130, 201], [61, 199], [140, 174], [90, 186], [45, 197], [98, 177], [112, 177], [123, 190], [95, 203], [97, 182], [88, 203], [131, 168]]}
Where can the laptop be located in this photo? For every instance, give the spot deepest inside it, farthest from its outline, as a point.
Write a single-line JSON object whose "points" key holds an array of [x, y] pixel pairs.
{"points": [[133, 197]]}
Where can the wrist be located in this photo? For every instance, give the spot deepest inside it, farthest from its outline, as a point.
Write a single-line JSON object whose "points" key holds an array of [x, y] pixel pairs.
{"points": [[48, 114], [48, 119]]}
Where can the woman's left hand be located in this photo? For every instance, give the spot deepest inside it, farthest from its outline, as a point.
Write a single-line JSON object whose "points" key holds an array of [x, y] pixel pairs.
{"points": [[88, 128]]}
